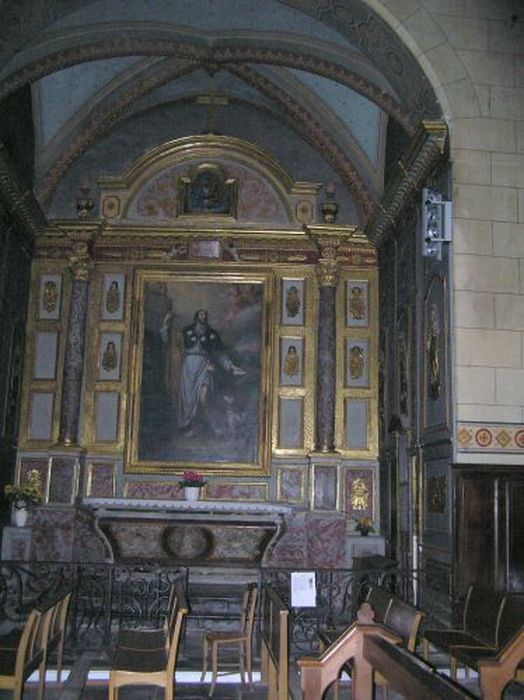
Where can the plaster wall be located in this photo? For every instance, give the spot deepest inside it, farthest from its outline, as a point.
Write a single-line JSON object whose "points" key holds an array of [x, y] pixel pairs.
{"points": [[473, 53]]}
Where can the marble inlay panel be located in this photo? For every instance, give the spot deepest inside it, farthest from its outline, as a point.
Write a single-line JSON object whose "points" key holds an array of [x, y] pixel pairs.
{"points": [[53, 534], [326, 541], [150, 489], [234, 492]]}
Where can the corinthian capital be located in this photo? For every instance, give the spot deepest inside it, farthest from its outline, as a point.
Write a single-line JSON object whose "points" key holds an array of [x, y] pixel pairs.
{"points": [[80, 260]]}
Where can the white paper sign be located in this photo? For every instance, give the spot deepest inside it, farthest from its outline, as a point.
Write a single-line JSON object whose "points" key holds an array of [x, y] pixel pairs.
{"points": [[303, 589]]}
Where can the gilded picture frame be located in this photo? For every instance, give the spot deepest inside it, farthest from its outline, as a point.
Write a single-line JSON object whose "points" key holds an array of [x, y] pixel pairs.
{"points": [[200, 373]]}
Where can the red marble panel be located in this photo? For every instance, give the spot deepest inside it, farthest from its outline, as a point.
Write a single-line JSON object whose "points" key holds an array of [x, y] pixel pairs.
{"points": [[290, 551], [102, 480], [291, 485], [169, 491], [326, 541], [236, 492], [53, 534]]}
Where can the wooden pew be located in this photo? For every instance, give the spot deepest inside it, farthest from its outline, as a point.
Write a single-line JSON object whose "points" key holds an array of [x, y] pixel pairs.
{"points": [[373, 648], [480, 621], [496, 672], [274, 650]]}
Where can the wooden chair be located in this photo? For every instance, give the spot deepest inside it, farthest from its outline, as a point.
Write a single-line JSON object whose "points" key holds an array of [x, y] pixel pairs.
{"points": [[480, 623], [57, 632], [405, 620], [22, 652], [242, 638], [380, 600], [148, 656]]}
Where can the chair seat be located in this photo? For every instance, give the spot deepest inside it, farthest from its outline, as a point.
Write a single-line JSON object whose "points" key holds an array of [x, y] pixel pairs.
{"points": [[11, 639], [7, 662], [140, 660], [448, 638], [148, 639], [233, 636]]}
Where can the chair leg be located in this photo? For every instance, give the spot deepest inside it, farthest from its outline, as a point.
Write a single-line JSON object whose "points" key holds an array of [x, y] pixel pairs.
{"points": [[204, 659], [242, 659], [249, 664], [425, 650], [41, 678], [214, 666], [168, 695], [453, 668], [59, 659]]}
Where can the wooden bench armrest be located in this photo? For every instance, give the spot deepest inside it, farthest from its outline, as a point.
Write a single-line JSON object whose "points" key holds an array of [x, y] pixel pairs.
{"points": [[497, 672]]}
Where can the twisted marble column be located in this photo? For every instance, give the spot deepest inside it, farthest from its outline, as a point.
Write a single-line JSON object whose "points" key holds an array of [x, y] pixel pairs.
{"points": [[80, 264], [326, 357]]}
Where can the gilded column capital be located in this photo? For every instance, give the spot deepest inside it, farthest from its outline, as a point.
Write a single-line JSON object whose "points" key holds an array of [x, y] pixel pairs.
{"points": [[80, 260], [327, 272], [335, 245]]}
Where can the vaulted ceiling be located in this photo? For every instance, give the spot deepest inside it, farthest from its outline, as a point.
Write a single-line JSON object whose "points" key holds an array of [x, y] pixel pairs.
{"points": [[321, 85]]}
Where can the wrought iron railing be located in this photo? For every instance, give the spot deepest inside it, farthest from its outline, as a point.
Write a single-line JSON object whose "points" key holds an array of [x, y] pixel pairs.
{"points": [[107, 595], [340, 592]]}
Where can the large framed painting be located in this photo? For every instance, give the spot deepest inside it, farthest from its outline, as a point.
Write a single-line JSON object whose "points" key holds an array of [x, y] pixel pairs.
{"points": [[200, 373]]}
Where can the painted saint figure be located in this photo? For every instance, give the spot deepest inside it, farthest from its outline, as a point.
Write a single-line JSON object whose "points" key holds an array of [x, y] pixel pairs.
{"points": [[203, 356], [110, 357], [292, 301], [113, 298], [174, 351], [292, 362], [357, 307]]}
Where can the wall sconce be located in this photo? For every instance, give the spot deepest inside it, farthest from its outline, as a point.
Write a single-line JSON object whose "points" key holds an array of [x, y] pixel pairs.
{"points": [[436, 223]]}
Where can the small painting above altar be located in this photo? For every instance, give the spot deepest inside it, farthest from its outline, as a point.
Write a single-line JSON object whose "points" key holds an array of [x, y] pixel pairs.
{"points": [[199, 387], [207, 191]]}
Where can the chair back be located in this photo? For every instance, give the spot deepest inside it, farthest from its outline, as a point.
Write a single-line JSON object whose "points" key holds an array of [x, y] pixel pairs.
{"points": [[482, 614], [249, 606], [511, 618], [179, 611], [59, 619], [404, 619], [27, 646], [380, 600]]}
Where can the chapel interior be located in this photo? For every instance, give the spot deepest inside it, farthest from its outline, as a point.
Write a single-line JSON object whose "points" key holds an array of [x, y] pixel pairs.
{"points": [[278, 247]]}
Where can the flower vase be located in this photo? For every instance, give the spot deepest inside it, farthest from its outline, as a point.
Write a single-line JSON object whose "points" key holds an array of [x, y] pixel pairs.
{"points": [[20, 516], [364, 533], [192, 493]]}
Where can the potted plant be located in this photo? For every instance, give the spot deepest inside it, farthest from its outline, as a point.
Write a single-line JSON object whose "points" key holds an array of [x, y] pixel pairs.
{"points": [[22, 497], [192, 482], [364, 525]]}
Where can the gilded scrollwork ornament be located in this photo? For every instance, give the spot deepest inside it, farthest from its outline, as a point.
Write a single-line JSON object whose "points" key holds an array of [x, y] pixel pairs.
{"points": [[433, 353]]}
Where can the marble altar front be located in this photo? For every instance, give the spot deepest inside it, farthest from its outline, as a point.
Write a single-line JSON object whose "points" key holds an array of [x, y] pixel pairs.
{"points": [[188, 533]]}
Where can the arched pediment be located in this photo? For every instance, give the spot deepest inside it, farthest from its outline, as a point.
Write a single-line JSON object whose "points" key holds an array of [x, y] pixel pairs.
{"points": [[206, 179]]}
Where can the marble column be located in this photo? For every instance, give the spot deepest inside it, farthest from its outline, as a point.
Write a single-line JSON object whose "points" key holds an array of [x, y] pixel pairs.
{"points": [[80, 265], [326, 354]]}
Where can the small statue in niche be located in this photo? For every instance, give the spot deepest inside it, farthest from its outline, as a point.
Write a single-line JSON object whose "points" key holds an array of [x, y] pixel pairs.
{"points": [[292, 301], [292, 362], [356, 362], [110, 357], [433, 350], [357, 306], [113, 297], [50, 296]]}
